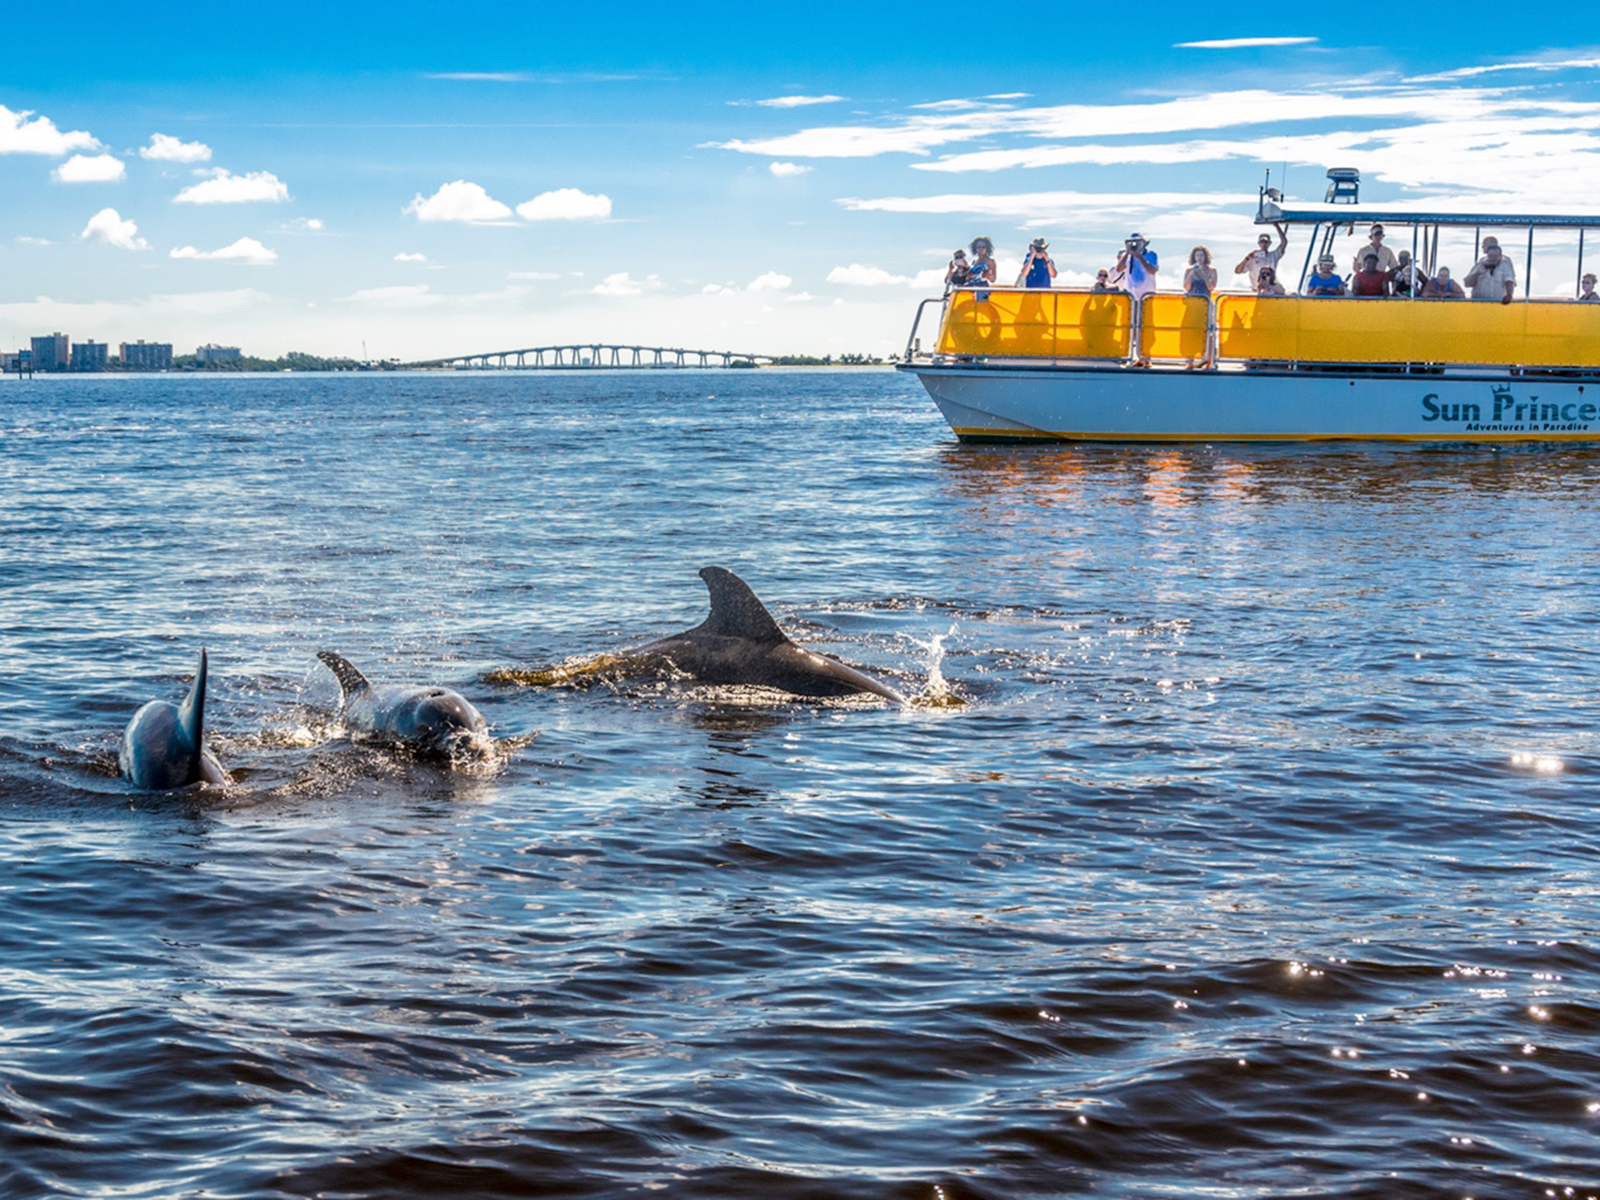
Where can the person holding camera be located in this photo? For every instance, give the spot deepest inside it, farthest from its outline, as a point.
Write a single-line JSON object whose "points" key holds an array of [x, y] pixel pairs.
{"points": [[956, 276], [1200, 278], [982, 269], [1136, 267], [1037, 268], [1263, 257], [1492, 277], [1136, 275]]}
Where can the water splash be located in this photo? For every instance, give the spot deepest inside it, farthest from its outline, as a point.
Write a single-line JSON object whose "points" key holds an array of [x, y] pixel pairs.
{"points": [[937, 692]]}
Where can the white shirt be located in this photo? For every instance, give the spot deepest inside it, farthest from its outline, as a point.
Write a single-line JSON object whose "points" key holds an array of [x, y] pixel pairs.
{"points": [[1258, 258], [1489, 283], [1386, 259]]}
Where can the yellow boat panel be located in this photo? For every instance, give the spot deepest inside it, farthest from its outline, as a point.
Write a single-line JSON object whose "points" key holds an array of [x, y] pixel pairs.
{"points": [[1097, 325]]}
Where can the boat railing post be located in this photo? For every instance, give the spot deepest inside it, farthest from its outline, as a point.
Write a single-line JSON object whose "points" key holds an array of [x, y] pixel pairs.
{"points": [[1411, 284], [1311, 248], [1527, 280]]}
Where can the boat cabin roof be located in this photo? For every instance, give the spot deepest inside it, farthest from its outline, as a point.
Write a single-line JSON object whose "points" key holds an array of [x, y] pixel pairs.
{"points": [[1352, 214]]}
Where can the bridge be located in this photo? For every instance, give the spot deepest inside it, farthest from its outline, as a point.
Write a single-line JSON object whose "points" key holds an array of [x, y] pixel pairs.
{"points": [[593, 356]]}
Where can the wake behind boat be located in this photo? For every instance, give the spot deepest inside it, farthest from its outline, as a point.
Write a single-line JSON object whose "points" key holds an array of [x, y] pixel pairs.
{"points": [[1013, 364]]}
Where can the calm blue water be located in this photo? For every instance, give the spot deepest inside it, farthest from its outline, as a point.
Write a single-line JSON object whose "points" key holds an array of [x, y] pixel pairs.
{"points": [[1261, 861]]}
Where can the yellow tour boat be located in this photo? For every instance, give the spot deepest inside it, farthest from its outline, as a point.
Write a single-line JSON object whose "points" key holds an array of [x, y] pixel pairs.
{"points": [[1014, 364]]}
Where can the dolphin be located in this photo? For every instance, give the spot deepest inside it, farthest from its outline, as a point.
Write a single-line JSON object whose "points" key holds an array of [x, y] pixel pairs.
{"points": [[164, 746], [430, 719], [740, 643]]}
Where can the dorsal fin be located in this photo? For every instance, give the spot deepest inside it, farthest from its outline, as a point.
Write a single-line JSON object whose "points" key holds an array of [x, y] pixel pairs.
{"points": [[192, 712], [351, 681], [735, 611]]}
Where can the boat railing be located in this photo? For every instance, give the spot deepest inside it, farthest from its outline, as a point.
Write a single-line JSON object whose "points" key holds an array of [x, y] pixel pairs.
{"points": [[914, 339], [1064, 325]]}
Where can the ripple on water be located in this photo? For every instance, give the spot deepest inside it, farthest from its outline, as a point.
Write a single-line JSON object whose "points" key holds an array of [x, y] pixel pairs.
{"points": [[1258, 859]]}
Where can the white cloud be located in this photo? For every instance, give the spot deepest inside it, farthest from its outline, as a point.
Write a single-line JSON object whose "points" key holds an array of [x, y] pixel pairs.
{"points": [[1042, 206], [1567, 64], [416, 258], [458, 201], [224, 187], [1243, 43], [304, 225], [107, 228], [622, 284], [565, 204], [857, 275], [416, 295], [165, 148], [783, 170], [921, 133], [796, 101], [245, 250], [770, 282], [538, 275], [20, 135], [485, 76], [84, 168]]}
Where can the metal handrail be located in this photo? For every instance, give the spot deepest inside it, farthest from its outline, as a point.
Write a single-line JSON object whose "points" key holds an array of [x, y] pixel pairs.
{"points": [[913, 344]]}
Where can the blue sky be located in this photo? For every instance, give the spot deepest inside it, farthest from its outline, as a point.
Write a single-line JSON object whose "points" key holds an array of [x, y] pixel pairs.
{"points": [[407, 181]]}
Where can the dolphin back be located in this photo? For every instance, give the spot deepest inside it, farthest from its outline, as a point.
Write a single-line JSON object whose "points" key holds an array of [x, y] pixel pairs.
{"points": [[164, 745], [351, 681], [735, 610]]}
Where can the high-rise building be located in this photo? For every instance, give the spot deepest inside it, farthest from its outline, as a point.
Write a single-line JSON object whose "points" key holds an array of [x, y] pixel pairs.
{"points": [[146, 356], [89, 356], [53, 353], [209, 353]]}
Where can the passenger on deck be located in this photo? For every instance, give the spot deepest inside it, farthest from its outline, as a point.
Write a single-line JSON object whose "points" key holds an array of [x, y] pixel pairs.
{"points": [[1492, 277], [1267, 283], [956, 276], [1588, 292], [1262, 257], [1442, 287], [1325, 282], [1136, 267], [1371, 280], [1386, 259], [1038, 269], [1407, 278], [1200, 279], [982, 269], [1102, 281]]}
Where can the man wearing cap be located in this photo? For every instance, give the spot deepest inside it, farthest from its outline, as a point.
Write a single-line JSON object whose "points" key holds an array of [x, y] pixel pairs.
{"points": [[1386, 259], [1492, 277], [1038, 270], [1136, 267], [1261, 256], [1324, 282]]}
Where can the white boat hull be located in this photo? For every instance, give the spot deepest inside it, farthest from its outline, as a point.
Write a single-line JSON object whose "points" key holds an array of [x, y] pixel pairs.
{"points": [[996, 402]]}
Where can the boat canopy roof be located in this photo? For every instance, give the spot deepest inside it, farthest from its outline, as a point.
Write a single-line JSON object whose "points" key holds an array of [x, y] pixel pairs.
{"points": [[1351, 214]]}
